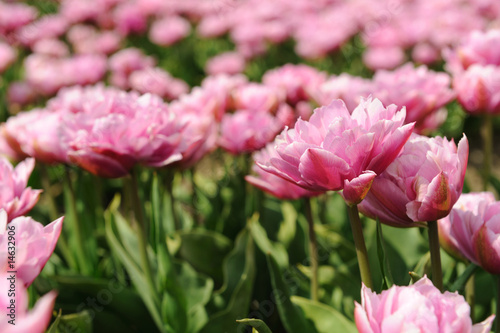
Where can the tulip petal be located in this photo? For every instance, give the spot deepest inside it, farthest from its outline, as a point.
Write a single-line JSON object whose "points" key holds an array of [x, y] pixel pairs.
{"points": [[356, 189], [322, 170]]}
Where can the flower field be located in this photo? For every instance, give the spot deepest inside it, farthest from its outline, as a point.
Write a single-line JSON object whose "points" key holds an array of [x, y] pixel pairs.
{"points": [[213, 166]]}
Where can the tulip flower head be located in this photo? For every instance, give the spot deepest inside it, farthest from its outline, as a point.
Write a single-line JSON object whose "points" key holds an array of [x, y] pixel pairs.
{"points": [[422, 184], [34, 321], [472, 230], [34, 245], [336, 150], [420, 307], [15, 197]]}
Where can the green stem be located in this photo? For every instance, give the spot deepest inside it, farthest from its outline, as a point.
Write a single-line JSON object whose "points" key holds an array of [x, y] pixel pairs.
{"points": [[470, 295], [170, 188], [141, 229], [487, 136], [77, 227], [437, 273], [359, 243], [62, 244], [313, 249]]}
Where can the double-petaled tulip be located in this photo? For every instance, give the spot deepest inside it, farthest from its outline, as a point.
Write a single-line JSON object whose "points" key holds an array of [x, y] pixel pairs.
{"points": [[420, 307], [273, 184], [422, 91], [336, 150], [33, 245], [34, 321], [472, 230], [478, 89], [117, 130], [15, 198], [422, 184]]}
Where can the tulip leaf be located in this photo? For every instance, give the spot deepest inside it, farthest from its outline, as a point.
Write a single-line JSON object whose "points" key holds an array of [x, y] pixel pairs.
{"points": [[74, 322], [325, 318], [258, 325], [459, 284], [240, 273], [292, 316], [205, 250], [288, 226], [133, 269], [265, 245], [387, 280]]}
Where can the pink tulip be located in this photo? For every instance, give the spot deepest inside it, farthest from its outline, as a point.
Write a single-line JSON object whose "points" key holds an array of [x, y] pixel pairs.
{"points": [[459, 230], [346, 87], [51, 47], [169, 30], [7, 56], [20, 93], [36, 134], [87, 39], [383, 57], [126, 61], [34, 321], [482, 48], [273, 184], [296, 80], [159, 82], [15, 198], [226, 63], [116, 130], [46, 27], [222, 86], [336, 150], [422, 184], [197, 110], [422, 91], [15, 15], [420, 307], [246, 131], [478, 89], [34, 245], [128, 19], [257, 97]]}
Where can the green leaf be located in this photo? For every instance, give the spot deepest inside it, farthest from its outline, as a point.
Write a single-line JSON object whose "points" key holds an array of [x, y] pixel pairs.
{"points": [[382, 259], [459, 284], [259, 234], [75, 322], [257, 324], [240, 274], [325, 318], [288, 226], [205, 250], [139, 280], [292, 316]]}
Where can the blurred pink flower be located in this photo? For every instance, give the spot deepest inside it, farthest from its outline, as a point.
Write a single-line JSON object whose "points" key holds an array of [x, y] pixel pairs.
{"points": [[424, 53], [87, 39], [34, 321], [482, 48], [383, 57], [126, 61], [346, 87], [15, 197], [15, 15], [336, 150], [36, 133], [222, 86], [225, 63], [296, 80], [47, 75], [52, 47], [128, 19], [116, 130], [246, 131], [478, 89], [169, 30], [423, 92], [7, 56], [38, 243], [422, 184], [273, 184], [197, 110], [46, 27], [159, 82], [458, 231], [257, 97], [420, 307], [20, 93]]}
